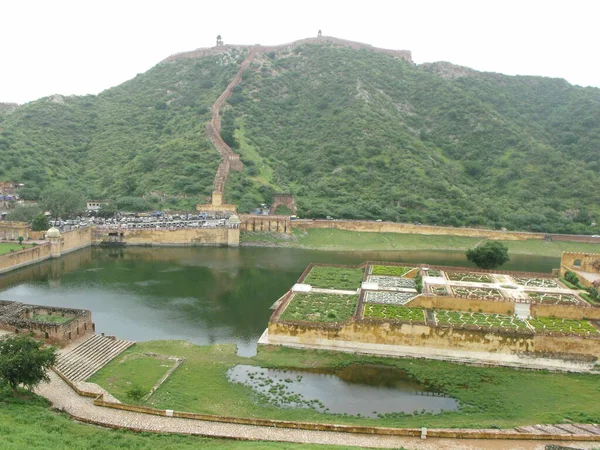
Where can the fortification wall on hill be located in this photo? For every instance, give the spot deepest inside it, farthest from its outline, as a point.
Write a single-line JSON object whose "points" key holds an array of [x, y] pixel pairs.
{"points": [[200, 52], [229, 159]]}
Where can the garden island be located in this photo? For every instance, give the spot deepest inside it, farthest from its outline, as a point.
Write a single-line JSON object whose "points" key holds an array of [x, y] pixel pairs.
{"points": [[503, 318]]}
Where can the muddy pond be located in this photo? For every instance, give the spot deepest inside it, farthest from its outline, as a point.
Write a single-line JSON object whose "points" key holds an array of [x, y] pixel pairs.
{"points": [[355, 390]]}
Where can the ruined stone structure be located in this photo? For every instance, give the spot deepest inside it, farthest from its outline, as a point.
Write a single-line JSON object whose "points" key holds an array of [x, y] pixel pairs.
{"points": [[10, 231], [277, 224], [585, 265], [53, 324], [286, 200]]}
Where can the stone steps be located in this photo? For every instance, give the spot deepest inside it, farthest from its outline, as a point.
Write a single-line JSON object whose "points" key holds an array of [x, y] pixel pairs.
{"points": [[87, 358]]}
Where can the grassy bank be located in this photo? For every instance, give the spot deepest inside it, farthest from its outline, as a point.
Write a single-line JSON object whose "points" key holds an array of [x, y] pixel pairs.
{"points": [[490, 396], [329, 239], [30, 424], [7, 248]]}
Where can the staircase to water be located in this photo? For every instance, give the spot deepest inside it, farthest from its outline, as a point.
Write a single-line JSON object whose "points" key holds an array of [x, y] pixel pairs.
{"points": [[81, 362]]}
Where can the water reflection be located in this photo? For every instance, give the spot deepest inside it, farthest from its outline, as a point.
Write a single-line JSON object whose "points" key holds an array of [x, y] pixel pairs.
{"points": [[203, 295], [368, 391]]}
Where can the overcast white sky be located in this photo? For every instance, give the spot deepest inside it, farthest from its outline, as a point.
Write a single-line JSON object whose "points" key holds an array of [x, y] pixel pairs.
{"points": [[86, 46]]}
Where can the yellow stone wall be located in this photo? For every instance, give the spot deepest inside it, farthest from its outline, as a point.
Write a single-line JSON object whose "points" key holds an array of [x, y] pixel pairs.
{"points": [[441, 338], [191, 236], [391, 227]]}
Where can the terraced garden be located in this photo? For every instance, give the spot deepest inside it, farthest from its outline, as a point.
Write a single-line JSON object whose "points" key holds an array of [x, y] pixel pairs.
{"points": [[316, 307], [469, 277], [334, 277], [553, 298], [391, 298], [394, 312], [483, 293], [394, 282], [437, 289], [395, 271], [550, 324], [458, 318], [433, 273], [536, 282]]}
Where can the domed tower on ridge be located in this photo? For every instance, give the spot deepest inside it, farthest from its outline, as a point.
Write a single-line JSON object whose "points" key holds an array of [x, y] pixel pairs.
{"points": [[319, 34], [219, 41]]}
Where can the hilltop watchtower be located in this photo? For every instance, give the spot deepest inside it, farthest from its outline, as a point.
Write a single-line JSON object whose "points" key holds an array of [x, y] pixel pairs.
{"points": [[219, 41]]}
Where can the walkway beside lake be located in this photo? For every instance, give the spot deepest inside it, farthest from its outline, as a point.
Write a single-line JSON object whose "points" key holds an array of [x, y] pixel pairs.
{"points": [[83, 409]]}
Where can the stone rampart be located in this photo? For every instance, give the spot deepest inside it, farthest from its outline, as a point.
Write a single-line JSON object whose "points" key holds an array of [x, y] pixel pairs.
{"points": [[76, 239], [200, 52], [183, 237], [22, 258]]}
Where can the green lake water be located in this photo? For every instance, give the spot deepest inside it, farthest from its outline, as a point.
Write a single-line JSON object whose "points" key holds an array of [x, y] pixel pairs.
{"points": [[203, 295]]}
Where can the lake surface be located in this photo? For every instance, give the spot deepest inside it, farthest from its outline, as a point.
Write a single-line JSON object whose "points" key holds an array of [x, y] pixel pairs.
{"points": [[365, 390], [203, 295]]}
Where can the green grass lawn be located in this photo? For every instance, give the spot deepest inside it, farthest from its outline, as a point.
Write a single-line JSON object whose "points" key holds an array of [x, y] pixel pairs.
{"points": [[334, 277], [29, 424], [490, 396], [317, 307], [51, 319], [144, 369], [328, 239], [395, 271], [7, 248], [397, 312]]}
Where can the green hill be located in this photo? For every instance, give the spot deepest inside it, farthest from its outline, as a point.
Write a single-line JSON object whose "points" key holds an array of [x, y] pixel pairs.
{"points": [[352, 133]]}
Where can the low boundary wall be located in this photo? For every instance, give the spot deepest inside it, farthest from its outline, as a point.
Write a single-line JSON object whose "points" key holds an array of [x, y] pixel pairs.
{"points": [[22, 258], [405, 228], [383, 431]]}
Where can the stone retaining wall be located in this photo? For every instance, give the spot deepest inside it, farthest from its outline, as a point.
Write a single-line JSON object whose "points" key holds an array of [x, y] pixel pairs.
{"points": [[392, 227], [183, 237]]}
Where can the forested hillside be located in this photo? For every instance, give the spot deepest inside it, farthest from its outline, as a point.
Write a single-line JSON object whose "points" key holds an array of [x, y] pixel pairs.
{"points": [[351, 133], [143, 137], [356, 134]]}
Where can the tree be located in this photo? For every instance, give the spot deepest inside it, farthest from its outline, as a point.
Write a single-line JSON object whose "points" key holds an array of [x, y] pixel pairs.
{"points": [[490, 255], [24, 360], [24, 213], [40, 223], [62, 202]]}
